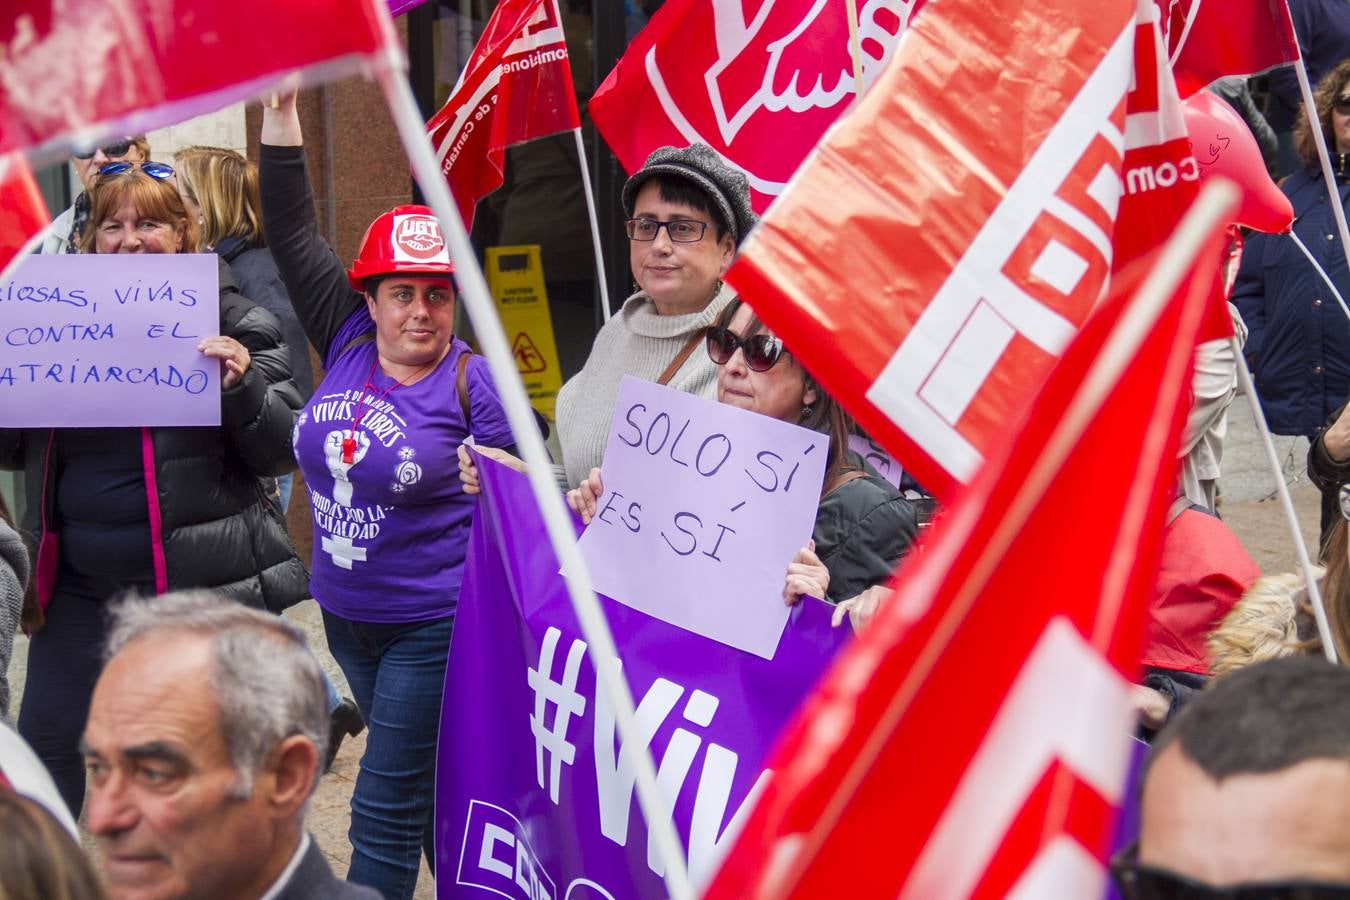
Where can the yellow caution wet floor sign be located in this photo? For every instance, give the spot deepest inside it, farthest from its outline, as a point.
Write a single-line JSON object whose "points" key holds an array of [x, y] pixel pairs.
{"points": [[516, 277]]}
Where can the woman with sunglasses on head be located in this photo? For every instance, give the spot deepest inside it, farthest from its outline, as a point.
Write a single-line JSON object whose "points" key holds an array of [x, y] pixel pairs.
{"points": [[863, 525], [687, 213], [377, 448], [148, 510], [68, 228], [1298, 343]]}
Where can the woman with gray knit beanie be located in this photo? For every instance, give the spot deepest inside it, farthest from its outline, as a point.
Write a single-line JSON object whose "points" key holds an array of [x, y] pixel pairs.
{"points": [[687, 212], [13, 580]]}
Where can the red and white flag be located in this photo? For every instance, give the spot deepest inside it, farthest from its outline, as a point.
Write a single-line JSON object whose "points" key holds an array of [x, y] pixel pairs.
{"points": [[516, 87], [85, 70], [759, 81], [953, 231], [23, 214], [972, 742], [1208, 39]]}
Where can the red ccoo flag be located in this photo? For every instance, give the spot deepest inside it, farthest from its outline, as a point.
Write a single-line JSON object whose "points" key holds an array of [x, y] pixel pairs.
{"points": [[89, 69], [516, 87], [1208, 39], [1032, 637], [759, 82], [952, 232], [23, 214]]}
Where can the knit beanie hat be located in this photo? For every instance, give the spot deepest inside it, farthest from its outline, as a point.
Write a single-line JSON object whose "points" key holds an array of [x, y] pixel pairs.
{"points": [[727, 188]]}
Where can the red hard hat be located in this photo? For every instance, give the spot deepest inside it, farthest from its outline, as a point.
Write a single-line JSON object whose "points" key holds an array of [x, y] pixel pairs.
{"points": [[405, 239]]}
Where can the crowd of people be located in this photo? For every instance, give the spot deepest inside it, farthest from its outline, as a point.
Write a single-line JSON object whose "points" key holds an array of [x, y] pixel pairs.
{"points": [[167, 699]]}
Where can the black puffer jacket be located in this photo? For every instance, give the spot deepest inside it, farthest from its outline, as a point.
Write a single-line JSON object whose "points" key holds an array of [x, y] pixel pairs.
{"points": [[211, 524], [863, 528]]}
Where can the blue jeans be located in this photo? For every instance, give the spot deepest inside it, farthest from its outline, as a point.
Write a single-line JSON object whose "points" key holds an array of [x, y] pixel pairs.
{"points": [[397, 674]]}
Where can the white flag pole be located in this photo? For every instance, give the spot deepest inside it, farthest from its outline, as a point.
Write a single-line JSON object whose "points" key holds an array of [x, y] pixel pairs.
{"points": [[1286, 503], [855, 48], [595, 225], [1320, 141], [488, 329]]}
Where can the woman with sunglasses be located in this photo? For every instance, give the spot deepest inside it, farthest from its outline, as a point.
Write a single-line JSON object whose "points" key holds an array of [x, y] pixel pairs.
{"points": [[1298, 343], [149, 510], [376, 446], [863, 525], [68, 228]]}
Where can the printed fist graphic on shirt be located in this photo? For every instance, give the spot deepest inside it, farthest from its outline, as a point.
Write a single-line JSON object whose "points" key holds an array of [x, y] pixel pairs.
{"points": [[338, 468]]}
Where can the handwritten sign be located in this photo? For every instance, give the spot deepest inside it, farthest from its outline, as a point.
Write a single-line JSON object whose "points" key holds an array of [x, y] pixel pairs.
{"points": [[703, 508], [94, 340], [876, 456]]}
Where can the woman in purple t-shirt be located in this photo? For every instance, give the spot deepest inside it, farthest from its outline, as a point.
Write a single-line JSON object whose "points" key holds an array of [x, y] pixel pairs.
{"points": [[377, 446]]}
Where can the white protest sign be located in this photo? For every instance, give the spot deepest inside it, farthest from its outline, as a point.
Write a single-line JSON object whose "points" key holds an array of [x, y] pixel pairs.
{"points": [[93, 340], [704, 506]]}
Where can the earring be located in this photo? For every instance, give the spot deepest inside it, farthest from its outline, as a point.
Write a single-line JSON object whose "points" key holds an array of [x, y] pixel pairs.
{"points": [[806, 413]]}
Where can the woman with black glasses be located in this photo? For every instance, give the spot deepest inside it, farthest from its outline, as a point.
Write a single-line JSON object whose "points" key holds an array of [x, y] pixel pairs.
{"points": [[863, 525], [148, 510]]}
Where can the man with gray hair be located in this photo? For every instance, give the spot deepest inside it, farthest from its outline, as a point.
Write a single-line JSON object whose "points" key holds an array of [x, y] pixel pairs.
{"points": [[203, 745]]}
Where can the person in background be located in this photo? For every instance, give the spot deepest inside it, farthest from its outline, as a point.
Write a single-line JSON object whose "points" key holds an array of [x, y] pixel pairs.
{"points": [[146, 510], [67, 229], [40, 860], [1298, 343], [220, 190], [13, 583], [376, 445], [1247, 792], [1323, 30], [204, 746], [863, 526]]}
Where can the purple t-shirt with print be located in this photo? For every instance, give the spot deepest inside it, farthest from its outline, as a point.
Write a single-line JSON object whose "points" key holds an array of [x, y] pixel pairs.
{"points": [[391, 527]]}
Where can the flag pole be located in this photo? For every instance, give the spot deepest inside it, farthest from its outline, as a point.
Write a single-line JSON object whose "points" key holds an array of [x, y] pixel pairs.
{"points": [[595, 225], [601, 280], [488, 329], [1320, 141], [855, 47], [1320, 271], [1286, 503]]}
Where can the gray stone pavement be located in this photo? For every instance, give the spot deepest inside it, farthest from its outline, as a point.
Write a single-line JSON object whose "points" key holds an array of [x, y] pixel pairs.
{"points": [[1247, 504]]}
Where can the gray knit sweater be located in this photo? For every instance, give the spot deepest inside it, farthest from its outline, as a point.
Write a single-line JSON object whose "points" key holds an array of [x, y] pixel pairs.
{"points": [[635, 342], [13, 578]]}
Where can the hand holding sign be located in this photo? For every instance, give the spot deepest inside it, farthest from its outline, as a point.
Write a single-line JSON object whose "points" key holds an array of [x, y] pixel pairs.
{"points": [[234, 358], [701, 500]]}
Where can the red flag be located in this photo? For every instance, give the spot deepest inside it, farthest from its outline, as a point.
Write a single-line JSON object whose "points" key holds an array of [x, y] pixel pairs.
{"points": [[23, 214], [516, 87], [973, 741], [953, 231], [758, 81], [1208, 39], [97, 68]]}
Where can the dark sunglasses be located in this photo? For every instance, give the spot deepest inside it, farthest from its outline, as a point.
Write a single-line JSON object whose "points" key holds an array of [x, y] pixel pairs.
{"points": [[118, 149], [761, 350], [1140, 882], [156, 170], [1342, 105]]}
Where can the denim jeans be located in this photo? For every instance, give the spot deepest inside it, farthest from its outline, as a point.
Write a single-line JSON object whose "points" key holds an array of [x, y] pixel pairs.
{"points": [[397, 674]]}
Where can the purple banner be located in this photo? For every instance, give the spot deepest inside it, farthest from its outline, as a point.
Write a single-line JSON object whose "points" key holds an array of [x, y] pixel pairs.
{"points": [[534, 797], [399, 7]]}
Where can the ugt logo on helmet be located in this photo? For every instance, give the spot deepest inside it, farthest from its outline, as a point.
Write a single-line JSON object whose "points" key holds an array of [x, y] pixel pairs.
{"points": [[418, 239]]}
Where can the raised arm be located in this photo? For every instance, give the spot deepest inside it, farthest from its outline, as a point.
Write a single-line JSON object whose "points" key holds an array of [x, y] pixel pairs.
{"points": [[313, 274]]}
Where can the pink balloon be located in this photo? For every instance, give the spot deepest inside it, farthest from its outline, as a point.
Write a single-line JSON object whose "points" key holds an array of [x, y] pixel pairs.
{"points": [[1223, 145]]}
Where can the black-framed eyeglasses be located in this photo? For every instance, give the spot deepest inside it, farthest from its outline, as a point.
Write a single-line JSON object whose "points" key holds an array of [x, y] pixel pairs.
{"points": [[681, 231], [117, 148], [156, 170], [1342, 105], [761, 351], [1140, 882]]}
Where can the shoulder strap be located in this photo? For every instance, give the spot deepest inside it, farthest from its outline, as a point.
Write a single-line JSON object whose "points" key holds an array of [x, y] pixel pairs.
{"points": [[364, 337], [840, 480], [462, 386], [680, 357]]}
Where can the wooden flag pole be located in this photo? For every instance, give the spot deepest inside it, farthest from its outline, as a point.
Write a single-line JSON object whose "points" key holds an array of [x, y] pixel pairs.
{"points": [[855, 47]]}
